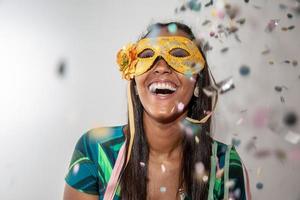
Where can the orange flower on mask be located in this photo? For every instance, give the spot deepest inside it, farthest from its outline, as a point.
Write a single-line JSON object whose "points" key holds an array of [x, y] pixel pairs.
{"points": [[127, 59]]}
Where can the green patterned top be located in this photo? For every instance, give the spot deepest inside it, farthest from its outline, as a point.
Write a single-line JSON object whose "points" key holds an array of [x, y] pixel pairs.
{"points": [[96, 152]]}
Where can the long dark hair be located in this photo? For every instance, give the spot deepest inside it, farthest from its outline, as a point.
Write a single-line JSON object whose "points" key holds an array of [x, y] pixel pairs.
{"points": [[134, 179]]}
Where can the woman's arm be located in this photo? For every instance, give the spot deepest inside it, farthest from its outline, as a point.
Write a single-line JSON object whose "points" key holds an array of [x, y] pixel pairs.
{"points": [[73, 194]]}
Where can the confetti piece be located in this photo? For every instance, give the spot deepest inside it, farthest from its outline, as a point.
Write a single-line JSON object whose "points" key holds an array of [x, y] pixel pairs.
{"points": [[241, 21], [259, 185], [189, 128], [258, 172], [210, 3], [172, 28], [240, 121], [235, 194], [293, 138], [296, 8], [205, 178], [235, 142], [295, 63], [289, 15], [182, 8], [244, 70], [194, 5], [230, 183], [180, 106], [291, 27], [226, 85], [197, 139], [224, 50], [290, 119], [263, 153], [273, 23], [155, 30], [288, 28], [199, 169], [250, 145], [257, 7], [282, 6], [207, 47], [282, 99], [221, 87], [231, 10], [76, 169], [232, 29], [243, 111], [265, 52], [162, 189], [206, 22], [142, 164], [278, 88], [163, 168], [236, 36], [280, 155], [61, 70]]}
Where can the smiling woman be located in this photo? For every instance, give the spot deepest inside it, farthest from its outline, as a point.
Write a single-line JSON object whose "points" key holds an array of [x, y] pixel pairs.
{"points": [[165, 151]]}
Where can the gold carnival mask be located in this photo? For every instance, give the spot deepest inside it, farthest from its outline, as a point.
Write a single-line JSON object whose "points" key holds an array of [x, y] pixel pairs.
{"points": [[179, 52]]}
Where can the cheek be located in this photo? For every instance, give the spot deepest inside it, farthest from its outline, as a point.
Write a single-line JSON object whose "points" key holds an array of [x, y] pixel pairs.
{"points": [[140, 86]]}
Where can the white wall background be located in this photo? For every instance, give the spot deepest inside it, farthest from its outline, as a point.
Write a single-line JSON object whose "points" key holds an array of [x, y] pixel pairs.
{"points": [[42, 114]]}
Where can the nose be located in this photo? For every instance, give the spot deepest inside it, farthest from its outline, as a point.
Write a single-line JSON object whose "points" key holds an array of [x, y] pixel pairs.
{"points": [[161, 67]]}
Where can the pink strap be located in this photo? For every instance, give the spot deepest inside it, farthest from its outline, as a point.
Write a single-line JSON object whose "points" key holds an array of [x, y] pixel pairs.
{"points": [[114, 178], [247, 185]]}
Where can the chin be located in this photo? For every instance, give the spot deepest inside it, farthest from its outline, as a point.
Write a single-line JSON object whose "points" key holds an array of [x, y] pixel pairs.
{"points": [[165, 116]]}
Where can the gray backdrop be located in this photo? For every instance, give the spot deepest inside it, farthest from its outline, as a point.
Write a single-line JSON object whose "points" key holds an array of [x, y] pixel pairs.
{"points": [[44, 112]]}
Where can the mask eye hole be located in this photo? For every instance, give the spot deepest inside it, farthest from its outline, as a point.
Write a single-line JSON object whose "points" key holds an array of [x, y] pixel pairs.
{"points": [[178, 52], [146, 53]]}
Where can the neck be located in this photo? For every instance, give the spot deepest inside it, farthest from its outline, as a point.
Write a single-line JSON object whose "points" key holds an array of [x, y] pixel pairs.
{"points": [[164, 139]]}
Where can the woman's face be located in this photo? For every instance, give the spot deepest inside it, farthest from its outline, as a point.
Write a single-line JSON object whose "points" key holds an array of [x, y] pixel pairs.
{"points": [[165, 93]]}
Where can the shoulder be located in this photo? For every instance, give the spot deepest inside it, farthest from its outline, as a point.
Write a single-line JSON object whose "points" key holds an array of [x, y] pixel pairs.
{"points": [[102, 140], [227, 151], [230, 161], [103, 135], [93, 159]]}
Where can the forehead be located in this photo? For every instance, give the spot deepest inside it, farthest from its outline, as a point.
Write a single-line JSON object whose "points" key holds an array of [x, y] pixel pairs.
{"points": [[164, 31]]}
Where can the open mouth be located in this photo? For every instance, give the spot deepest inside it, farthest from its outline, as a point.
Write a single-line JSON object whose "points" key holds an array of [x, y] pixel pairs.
{"points": [[162, 88]]}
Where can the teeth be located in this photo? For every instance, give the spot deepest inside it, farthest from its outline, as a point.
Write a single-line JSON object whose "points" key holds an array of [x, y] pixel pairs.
{"points": [[156, 85]]}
